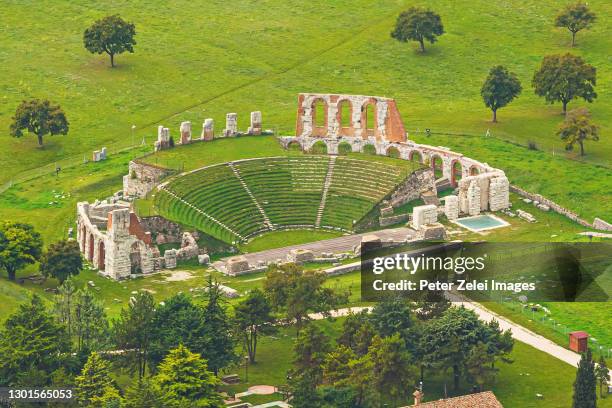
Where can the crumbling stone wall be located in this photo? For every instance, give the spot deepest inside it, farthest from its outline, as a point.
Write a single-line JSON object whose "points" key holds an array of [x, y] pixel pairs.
{"points": [[411, 188], [142, 178]]}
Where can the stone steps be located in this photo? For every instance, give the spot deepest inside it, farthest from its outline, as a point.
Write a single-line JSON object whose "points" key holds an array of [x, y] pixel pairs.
{"points": [[326, 184], [267, 221]]}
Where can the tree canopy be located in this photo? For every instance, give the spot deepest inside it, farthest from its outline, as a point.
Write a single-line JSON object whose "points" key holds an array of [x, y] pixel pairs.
{"points": [[62, 260], [499, 89], [577, 128], [562, 78], [253, 318], [575, 17], [95, 383], [418, 24], [20, 245], [585, 385], [39, 117], [111, 35]]}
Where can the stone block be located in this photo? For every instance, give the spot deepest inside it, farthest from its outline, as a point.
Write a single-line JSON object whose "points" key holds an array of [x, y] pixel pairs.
{"points": [[526, 216], [185, 130], [255, 128], [300, 255], [203, 259], [231, 125], [434, 231], [423, 215], [451, 207], [208, 130], [170, 258], [237, 265]]}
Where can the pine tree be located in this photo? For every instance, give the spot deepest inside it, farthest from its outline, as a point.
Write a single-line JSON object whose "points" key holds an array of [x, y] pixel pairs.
{"points": [[585, 386], [183, 380], [603, 375], [141, 394], [94, 380], [90, 322]]}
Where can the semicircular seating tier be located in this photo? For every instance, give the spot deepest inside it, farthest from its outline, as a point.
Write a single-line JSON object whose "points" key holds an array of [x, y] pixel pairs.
{"points": [[238, 200]]}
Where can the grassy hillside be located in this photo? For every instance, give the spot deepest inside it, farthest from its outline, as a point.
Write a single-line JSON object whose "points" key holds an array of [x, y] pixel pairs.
{"points": [[203, 59]]}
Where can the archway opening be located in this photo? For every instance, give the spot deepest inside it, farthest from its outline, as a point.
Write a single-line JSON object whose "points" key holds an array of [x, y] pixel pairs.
{"points": [[344, 148], [437, 164], [101, 256], [90, 253], [345, 112], [369, 149], [319, 148], [84, 239], [135, 258], [370, 118], [456, 172], [393, 152], [294, 146], [474, 171], [415, 156], [319, 113]]}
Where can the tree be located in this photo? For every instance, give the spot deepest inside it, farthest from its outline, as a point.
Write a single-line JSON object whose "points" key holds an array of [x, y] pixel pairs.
{"points": [[298, 293], [63, 304], [310, 349], [111, 35], [90, 322], [393, 373], [575, 17], [576, 128], [431, 304], [94, 380], [603, 375], [562, 78], [392, 315], [418, 24], [219, 342], [141, 394], [132, 331], [585, 386], [31, 339], [40, 118], [20, 245], [499, 89], [62, 260], [253, 318], [480, 365], [177, 321], [183, 380]]}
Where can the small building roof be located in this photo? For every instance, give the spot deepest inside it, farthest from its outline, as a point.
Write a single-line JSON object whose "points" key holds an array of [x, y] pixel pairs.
{"points": [[579, 334], [481, 400]]}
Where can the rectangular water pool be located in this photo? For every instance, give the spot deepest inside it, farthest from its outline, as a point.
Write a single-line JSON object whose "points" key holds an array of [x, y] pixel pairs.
{"points": [[481, 222]]}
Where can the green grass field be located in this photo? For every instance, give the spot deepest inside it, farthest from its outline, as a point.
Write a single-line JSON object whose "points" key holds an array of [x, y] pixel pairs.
{"points": [[246, 56]]}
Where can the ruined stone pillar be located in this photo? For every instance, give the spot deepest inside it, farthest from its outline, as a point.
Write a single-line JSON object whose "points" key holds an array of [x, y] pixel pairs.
{"points": [[185, 132], [255, 128], [231, 125], [473, 198], [451, 207], [208, 130]]}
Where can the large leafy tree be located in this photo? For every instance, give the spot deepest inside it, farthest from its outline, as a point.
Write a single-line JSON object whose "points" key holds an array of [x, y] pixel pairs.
{"points": [[298, 293], [578, 128], [177, 321], [39, 117], [575, 17], [562, 78], [111, 35], [20, 245], [418, 24], [62, 260], [254, 318], [585, 385], [31, 339], [183, 380], [133, 328], [218, 337], [499, 89], [94, 382]]}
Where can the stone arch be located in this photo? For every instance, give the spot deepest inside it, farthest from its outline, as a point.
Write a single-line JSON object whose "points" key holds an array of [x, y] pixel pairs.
{"points": [[393, 152], [101, 255], [474, 170], [456, 172], [344, 148], [369, 117], [437, 165], [90, 251], [294, 145], [415, 155], [369, 148], [319, 147], [319, 127], [135, 258], [344, 114]]}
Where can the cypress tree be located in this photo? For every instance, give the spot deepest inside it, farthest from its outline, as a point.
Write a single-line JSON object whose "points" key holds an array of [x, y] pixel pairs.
{"points": [[585, 386]]}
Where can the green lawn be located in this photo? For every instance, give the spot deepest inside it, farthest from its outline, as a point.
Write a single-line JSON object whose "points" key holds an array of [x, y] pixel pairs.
{"points": [[278, 239], [243, 57]]}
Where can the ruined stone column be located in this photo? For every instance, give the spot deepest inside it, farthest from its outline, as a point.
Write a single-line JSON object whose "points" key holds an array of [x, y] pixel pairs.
{"points": [[255, 128], [451, 207], [208, 130], [185, 132], [473, 198], [231, 125]]}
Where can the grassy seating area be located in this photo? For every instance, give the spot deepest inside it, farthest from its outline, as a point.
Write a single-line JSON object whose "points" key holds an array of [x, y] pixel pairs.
{"points": [[289, 190], [356, 187]]}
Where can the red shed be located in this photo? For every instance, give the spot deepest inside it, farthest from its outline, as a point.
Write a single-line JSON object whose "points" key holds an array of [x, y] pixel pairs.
{"points": [[579, 341]]}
